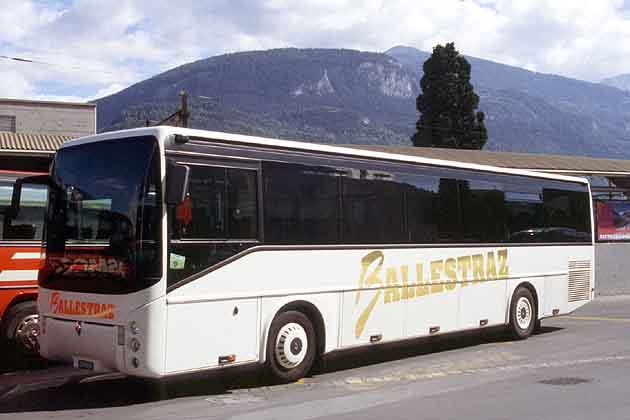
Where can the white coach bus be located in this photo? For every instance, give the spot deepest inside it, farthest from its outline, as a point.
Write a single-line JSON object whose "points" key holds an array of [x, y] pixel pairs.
{"points": [[171, 250]]}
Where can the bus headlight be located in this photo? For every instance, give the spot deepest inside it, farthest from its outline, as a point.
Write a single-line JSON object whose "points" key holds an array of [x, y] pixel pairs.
{"points": [[133, 327], [134, 344]]}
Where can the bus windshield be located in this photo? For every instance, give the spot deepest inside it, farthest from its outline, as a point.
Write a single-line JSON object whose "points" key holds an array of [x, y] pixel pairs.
{"points": [[103, 220]]}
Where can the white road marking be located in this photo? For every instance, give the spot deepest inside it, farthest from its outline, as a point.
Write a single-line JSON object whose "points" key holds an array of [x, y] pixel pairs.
{"points": [[234, 399]]}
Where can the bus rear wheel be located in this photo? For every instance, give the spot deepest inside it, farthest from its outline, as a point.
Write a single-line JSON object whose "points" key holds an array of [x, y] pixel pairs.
{"points": [[523, 314], [21, 327], [291, 347]]}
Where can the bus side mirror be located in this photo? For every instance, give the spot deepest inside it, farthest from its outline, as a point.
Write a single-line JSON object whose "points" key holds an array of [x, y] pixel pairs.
{"points": [[176, 183], [13, 210]]}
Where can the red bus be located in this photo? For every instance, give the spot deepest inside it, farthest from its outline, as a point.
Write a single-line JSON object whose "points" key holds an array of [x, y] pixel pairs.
{"points": [[20, 254]]}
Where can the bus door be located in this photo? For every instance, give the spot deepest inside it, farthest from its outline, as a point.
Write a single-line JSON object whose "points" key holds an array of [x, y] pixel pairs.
{"points": [[218, 219]]}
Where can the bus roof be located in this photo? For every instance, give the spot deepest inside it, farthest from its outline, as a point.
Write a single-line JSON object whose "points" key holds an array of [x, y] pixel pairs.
{"points": [[162, 132]]}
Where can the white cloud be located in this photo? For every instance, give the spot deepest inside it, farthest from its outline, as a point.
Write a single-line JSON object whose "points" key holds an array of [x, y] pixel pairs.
{"points": [[14, 85], [106, 91], [18, 18], [97, 48]]}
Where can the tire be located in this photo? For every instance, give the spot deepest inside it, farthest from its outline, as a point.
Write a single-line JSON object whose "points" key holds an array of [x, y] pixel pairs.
{"points": [[21, 327], [523, 314], [291, 347]]}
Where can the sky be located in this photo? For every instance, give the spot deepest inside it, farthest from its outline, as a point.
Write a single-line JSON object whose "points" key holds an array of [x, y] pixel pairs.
{"points": [[86, 49]]}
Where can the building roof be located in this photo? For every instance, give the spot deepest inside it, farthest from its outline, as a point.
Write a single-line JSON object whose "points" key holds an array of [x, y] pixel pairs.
{"points": [[29, 102], [30, 143], [531, 161]]}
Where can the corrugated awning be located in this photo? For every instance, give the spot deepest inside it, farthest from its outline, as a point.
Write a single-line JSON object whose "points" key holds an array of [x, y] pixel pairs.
{"points": [[24, 142], [539, 162]]}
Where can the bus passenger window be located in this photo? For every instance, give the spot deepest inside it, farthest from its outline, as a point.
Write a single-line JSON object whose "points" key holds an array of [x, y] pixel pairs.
{"points": [[242, 204], [202, 215], [484, 211], [449, 217], [525, 214], [566, 216], [301, 204], [421, 198], [28, 223], [218, 218], [373, 208]]}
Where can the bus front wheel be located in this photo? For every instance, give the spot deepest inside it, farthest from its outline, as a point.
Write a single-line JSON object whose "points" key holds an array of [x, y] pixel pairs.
{"points": [[523, 314], [291, 347], [21, 327]]}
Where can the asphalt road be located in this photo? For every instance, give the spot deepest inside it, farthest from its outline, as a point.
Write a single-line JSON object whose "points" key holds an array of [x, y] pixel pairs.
{"points": [[577, 367]]}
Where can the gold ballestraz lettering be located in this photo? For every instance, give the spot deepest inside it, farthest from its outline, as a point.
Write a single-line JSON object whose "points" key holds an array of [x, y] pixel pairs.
{"points": [[463, 266], [503, 263], [444, 275], [371, 266], [450, 270]]}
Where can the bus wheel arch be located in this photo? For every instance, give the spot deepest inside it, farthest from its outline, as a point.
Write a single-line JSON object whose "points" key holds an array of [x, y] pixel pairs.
{"points": [[534, 293], [23, 297], [523, 311], [314, 315], [300, 319]]}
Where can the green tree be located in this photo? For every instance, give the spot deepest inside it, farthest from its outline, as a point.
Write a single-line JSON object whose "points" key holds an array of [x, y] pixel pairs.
{"points": [[447, 103]]}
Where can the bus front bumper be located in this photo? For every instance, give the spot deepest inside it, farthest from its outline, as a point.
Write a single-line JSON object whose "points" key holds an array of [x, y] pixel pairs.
{"points": [[85, 345]]}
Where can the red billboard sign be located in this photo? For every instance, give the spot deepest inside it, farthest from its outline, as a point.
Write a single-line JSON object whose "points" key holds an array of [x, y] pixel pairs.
{"points": [[613, 220]]}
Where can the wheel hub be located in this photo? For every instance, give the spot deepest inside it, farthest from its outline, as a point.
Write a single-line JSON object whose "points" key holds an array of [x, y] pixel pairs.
{"points": [[291, 345], [523, 313], [296, 346], [26, 333]]}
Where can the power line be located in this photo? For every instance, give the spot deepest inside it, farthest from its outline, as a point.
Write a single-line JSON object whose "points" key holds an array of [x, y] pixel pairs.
{"points": [[44, 63]]}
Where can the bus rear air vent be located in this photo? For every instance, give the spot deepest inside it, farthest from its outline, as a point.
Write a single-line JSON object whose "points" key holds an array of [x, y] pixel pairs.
{"points": [[579, 280]]}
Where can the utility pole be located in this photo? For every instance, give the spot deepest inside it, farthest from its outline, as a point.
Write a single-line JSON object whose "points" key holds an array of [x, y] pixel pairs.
{"points": [[184, 114], [180, 117]]}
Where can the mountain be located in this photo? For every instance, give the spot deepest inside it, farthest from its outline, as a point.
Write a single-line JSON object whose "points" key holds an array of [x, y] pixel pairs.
{"points": [[332, 96], [346, 96], [620, 82]]}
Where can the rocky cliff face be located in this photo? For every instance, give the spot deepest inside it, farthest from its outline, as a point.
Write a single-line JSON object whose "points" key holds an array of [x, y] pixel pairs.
{"points": [[390, 79], [321, 87]]}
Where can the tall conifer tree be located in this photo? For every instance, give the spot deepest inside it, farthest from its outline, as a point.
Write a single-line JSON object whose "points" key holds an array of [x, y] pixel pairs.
{"points": [[447, 103]]}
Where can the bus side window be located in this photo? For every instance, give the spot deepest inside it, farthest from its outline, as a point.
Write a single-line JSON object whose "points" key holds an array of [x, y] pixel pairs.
{"points": [[450, 215], [242, 204], [202, 215], [373, 208], [218, 218], [422, 202], [301, 204], [484, 211], [29, 222], [565, 216]]}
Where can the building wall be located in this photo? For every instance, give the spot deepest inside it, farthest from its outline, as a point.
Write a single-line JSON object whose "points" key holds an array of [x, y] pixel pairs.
{"points": [[612, 269], [74, 120]]}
